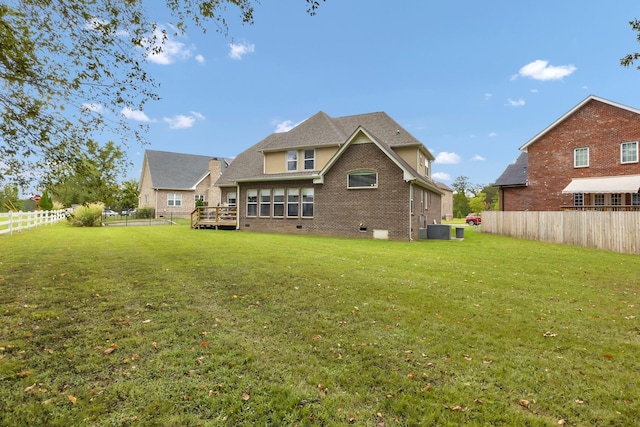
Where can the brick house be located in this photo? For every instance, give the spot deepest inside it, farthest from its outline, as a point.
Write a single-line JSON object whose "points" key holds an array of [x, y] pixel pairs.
{"points": [[354, 176], [585, 160], [171, 183]]}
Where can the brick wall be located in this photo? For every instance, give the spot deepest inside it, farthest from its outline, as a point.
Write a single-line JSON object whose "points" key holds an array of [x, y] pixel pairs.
{"points": [[601, 127], [354, 213]]}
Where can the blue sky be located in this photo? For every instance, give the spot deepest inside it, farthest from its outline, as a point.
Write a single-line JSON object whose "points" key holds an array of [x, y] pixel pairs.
{"points": [[472, 80]]}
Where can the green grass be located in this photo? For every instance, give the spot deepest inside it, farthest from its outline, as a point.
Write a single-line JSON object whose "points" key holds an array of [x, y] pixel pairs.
{"points": [[218, 328]]}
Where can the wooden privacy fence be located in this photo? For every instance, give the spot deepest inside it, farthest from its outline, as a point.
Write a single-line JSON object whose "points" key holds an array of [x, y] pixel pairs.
{"points": [[18, 221], [611, 231]]}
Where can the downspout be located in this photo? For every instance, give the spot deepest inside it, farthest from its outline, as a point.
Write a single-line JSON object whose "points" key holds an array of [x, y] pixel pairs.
{"points": [[237, 206], [155, 209], [411, 202]]}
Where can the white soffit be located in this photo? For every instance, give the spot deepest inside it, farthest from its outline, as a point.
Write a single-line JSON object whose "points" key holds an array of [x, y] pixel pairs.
{"points": [[607, 184]]}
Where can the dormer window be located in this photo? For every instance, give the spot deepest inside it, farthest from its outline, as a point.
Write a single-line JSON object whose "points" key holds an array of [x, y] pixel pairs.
{"points": [[309, 159], [292, 160]]}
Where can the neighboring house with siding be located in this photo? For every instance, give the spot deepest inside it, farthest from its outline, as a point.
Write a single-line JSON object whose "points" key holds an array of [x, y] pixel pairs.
{"points": [[586, 160], [171, 183], [447, 201], [354, 176]]}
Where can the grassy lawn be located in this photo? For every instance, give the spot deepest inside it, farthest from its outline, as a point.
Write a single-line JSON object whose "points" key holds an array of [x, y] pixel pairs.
{"points": [[168, 326]]}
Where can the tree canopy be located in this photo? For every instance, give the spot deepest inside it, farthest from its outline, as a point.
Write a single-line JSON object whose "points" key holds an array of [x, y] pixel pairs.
{"points": [[69, 68], [630, 58]]}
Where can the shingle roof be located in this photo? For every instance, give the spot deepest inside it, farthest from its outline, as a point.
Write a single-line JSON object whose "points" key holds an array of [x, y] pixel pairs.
{"points": [[318, 130], [515, 173], [176, 171]]}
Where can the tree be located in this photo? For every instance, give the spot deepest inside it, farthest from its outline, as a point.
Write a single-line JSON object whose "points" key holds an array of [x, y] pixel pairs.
{"points": [[69, 68], [630, 59], [9, 200], [129, 193], [92, 177], [461, 206]]}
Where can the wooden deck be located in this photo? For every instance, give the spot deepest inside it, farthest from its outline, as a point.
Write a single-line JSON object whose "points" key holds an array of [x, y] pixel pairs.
{"points": [[214, 217]]}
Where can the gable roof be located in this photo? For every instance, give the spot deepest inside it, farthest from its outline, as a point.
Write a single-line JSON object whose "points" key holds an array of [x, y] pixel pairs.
{"points": [[590, 98], [176, 171], [515, 174], [320, 130]]}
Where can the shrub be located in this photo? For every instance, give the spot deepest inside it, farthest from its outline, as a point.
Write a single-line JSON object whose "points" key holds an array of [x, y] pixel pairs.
{"points": [[145, 212], [86, 216]]}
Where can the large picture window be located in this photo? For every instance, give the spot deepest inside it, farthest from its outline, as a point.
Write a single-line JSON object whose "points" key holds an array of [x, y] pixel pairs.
{"points": [[252, 202], [629, 152], [307, 202], [278, 202], [581, 157], [292, 160], [362, 179], [174, 199], [265, 202], [293, 202]]}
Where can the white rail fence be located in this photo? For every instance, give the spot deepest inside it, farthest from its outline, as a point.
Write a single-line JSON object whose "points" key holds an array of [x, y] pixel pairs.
{"points": [[18, 221], [611, 231]]}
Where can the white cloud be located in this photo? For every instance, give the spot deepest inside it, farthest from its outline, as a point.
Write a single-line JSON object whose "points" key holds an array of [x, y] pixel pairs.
{"points": [[136, 115], [515, 103], [285, 126], [96, 108], [237, 51], [200, 59], [181, 121], [164, 50], [447, 158], [492, 134], [488, 96], [478, 158], [541, 70], [441, 176]]}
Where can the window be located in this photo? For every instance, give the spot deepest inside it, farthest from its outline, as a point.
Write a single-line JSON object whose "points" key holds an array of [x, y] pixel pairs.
{"points": [[307, 202], [629, 152], [278, 202], [265, 202], [598, 199], [309, 159], [293, 200], [292, 160], [362, 179], [252, 202], [616, 199], [198, 197], [581, 157], [578, 199], [635, 199], [174, 199], [231, 199]]}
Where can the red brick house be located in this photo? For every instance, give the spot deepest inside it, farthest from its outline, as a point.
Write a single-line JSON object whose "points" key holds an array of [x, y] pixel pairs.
{"points": [[586, 160], [355, 176]]}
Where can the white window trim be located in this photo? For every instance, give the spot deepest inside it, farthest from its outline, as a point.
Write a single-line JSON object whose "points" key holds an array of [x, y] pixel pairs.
{"points": [[311, 159], [252, 193], [174, 199], [362, 172], [575, 157], [621, 152], [293, 161], [262, 193]]}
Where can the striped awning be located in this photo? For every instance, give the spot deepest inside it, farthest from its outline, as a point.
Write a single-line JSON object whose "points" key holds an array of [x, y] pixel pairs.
{"points": [[605, 184]]}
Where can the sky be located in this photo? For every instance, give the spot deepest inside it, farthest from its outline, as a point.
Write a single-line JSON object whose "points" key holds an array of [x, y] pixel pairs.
{"points": [[473, 81]]}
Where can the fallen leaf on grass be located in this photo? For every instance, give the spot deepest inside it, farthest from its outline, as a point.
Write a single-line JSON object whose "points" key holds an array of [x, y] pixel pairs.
{"points": [[72, 399], [607, 356], [352, 418], [109, 350], [31, 387], [245, 397], [525, 403], [24, 374], [549, 334], [579, 401], [316, 337]]}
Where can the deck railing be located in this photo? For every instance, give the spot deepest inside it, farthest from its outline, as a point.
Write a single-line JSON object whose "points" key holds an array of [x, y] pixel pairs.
{"points": [[214, 217], [602, 208]]}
